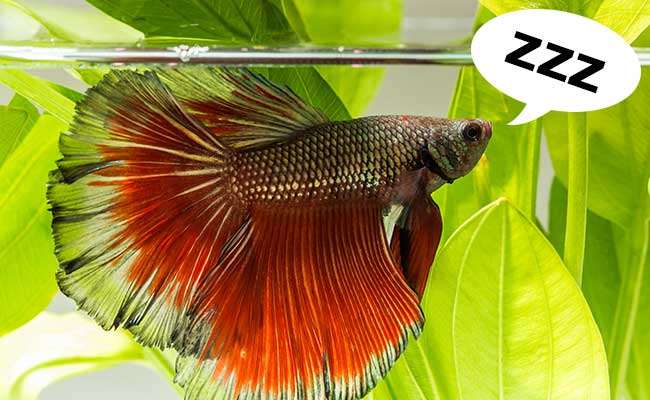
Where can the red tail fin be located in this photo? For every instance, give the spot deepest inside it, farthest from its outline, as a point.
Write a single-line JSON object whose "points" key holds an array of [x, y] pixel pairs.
{"points": [[140, 206]]}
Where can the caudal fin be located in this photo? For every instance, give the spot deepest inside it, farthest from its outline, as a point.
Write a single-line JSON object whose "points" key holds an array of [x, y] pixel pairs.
{"points": [[140, 207]]}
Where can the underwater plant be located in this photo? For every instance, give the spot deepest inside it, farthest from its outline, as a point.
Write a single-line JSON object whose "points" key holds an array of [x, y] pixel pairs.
{"points": [[512, 309]]}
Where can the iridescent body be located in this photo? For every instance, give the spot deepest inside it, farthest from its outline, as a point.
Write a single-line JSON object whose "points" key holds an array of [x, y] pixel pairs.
{"points": [[360, 158], [283, 255]]}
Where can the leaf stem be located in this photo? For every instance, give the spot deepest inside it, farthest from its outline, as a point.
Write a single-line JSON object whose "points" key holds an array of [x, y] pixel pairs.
{"points": [[529, 171], [161, 363], [576, 218], [620, 341]]}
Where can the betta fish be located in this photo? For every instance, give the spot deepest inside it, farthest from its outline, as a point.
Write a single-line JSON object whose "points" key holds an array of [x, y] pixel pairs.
{"points": [[282, 254]]}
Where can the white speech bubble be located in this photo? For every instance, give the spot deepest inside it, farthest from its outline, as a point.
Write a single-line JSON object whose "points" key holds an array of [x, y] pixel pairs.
{"points": [[496, 39]]}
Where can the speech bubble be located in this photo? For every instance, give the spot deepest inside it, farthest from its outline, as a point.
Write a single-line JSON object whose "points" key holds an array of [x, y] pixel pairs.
{"points": [[554, 60]]}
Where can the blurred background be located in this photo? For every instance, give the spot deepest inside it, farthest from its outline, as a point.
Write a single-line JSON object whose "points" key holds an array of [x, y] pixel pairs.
{"points": [[417, 90]]}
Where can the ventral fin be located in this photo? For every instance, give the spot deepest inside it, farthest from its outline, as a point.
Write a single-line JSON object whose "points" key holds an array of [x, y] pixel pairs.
{"points": [[304, 303], [416, 238], [243, 108]]}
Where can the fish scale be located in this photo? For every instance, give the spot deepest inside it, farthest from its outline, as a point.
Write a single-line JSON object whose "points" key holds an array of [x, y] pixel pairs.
{"points": [[355, 159]]}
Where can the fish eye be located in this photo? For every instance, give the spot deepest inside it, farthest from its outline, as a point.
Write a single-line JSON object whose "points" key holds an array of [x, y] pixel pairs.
{"points": [[472, 132]]}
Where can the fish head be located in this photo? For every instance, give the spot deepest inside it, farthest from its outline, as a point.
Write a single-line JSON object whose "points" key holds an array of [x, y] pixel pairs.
{"points": [[455, 146]]}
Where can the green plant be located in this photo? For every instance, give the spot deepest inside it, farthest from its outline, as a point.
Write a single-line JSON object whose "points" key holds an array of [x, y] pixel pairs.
{"points": [[512, 310]]}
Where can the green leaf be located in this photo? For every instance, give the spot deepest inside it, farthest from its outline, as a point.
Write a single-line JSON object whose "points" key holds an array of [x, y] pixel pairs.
{"points": [[582, 7], [53, 347], [601, 282], [16, 120], [91, 76], [343, 22], [619, 168], [619, 158], [557, 215], [16, 25], [27, 261], [237, 21], [41, 92], [347, 22], [504, 319], [14, 124], [77, 24], [351, 22], [638, 383], [308, 84], [19, 102], [510, 165], [356, 87], [628, 18]]}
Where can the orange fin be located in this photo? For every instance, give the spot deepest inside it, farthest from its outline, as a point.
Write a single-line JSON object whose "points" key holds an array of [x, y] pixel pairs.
{"points": [[416, 238], [304, 303], [140, 207], [244, 108]]}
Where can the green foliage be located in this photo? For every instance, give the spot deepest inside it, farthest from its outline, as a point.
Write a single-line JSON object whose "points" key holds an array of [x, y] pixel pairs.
{"points": [[16, 120], [311, 86], [615, 165], [26, 249], [505, 318], [364, 22], [628, 18], [42, 93], [618, 170], [237, 21], [75, 24]]}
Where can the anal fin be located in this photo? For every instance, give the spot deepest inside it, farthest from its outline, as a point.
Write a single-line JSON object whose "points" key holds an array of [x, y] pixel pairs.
{"points": [[304, 303]]}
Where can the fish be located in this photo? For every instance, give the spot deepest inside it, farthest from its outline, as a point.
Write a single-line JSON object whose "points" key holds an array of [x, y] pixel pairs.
{"points": [[282, 254]]}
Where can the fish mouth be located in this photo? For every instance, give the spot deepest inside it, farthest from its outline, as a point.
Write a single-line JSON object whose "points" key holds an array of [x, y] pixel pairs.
{"points": [[432, 165]]}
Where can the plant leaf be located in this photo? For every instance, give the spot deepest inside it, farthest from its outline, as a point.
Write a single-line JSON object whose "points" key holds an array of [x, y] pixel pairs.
{"points": [[514, 149], [356, 87], [27, 262], [91, 76], [237, 21], [13, 126], [628, 18], [582, 7], [316, 21], [619, 167], [619, 158], [351, 22], [52, 347], [363, 22], [77, 24], [310, 85], [602, 279], [505, 318], [16, 120], [43, 93]]}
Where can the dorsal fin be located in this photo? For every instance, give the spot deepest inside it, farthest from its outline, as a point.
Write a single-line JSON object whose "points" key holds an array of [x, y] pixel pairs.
{"points": [[244, 108]]}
